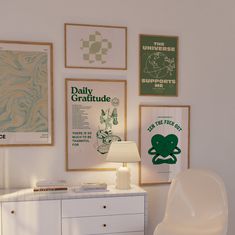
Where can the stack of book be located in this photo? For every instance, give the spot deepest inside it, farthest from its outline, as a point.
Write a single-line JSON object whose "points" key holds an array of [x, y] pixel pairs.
{"points": [[92, 187], [50, 186]]}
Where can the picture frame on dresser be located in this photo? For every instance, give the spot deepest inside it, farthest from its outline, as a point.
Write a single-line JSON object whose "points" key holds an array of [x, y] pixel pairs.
{"points": [[26, 93], [95, 117], [164, 134], [95, 46], [158, 65]]}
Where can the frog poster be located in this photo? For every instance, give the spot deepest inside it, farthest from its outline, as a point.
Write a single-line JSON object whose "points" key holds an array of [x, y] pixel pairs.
{"points": [[158, 65], [164, 142]]}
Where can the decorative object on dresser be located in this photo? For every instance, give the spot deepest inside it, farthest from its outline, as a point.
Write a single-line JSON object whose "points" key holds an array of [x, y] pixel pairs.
{"points": [[91, 187], [50, 188], [123, 151], [50, 185]]}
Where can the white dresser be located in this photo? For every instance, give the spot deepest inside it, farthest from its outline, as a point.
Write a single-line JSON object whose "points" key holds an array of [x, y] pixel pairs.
{"points": [[115, 212]]}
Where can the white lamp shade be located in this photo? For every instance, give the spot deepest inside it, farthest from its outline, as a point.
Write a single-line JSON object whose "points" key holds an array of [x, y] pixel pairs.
{"points": [[123, 151]]}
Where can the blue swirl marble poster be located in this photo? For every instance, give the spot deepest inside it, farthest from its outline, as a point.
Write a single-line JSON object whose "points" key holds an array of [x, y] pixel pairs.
{"points": [[25, 93]]}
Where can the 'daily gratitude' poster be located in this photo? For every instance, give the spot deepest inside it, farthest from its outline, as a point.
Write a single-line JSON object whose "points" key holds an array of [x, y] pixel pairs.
{"points": [[95, 117]]}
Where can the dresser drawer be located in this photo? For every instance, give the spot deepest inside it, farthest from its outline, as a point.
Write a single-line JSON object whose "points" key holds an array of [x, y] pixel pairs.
{"points": [[102, 206], [126, 224]]}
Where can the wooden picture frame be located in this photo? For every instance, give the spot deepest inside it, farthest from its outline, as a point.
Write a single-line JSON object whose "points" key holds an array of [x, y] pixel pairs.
{"points": [[95, 46], [95, 117], [164, 134], [158, 65], [26, 93]]}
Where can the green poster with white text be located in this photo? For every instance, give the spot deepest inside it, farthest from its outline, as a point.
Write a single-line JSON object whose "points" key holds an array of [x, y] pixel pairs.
{"points": [[158, 65]]}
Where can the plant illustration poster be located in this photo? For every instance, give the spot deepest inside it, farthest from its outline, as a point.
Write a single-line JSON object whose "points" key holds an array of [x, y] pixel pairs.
{"points": [[25, 93], [158, 65], [164, 142], [95, 117], [95, 46]]}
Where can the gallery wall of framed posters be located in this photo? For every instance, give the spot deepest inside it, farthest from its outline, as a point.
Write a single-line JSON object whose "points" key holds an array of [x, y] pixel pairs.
{"points": [[158, 58], [95, 117], [164, 133], [26, 93]]}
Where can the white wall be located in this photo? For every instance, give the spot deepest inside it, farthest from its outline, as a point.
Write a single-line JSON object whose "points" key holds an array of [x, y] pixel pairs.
{"points": [[206, 30]]}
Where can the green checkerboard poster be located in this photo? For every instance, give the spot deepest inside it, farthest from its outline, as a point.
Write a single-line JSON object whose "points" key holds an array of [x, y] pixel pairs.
{"points": [[158, 65]]}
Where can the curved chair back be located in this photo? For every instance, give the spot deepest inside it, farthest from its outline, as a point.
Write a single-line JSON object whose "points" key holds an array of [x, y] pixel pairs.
{"points": [[197, 199]]}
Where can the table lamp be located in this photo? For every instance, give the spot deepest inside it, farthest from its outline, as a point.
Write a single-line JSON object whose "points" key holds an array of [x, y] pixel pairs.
{"points": [[123, 151]]}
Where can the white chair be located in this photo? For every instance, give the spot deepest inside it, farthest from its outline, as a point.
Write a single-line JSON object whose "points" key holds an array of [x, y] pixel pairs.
{"points": [[196, 205]]}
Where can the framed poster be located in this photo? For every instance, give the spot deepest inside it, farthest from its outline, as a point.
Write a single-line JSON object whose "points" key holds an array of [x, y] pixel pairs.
{"points": [[95, 117], [158, 65], [164, 142], [26, 93], [95, 46]]}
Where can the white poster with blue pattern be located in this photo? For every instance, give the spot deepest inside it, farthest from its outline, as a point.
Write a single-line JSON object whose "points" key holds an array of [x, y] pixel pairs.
{"points": [[26, 116]]}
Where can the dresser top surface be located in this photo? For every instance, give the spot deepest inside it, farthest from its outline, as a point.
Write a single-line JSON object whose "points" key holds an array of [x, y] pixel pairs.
{"points": [[11, 195]]}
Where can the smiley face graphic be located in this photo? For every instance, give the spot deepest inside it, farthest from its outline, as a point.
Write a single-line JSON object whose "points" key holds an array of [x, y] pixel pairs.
{"points": [[164, 149]]}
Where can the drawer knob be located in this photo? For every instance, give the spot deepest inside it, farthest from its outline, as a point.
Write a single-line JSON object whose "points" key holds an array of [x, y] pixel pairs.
{"points": [[12, 212], [104, 225], [104, 206]]}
